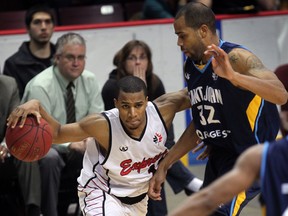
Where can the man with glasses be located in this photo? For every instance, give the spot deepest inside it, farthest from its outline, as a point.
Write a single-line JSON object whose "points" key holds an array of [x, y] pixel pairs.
{"points": [[51, 87]]}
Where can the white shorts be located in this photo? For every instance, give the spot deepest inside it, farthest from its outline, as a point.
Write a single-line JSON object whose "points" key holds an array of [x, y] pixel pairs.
{"points": [[94, 201]]}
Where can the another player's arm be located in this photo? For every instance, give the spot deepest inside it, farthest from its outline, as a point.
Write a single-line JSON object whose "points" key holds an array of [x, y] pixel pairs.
{"points": [[245, 70], [173, 102], [241, 177], [187, 142]]}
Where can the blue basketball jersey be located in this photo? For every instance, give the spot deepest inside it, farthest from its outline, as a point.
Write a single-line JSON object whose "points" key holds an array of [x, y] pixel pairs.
{"points": [[226, 116], [274, 177]]}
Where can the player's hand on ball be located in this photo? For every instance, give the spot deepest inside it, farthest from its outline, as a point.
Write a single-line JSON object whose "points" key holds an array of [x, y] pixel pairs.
{"points": [[20, 113]]}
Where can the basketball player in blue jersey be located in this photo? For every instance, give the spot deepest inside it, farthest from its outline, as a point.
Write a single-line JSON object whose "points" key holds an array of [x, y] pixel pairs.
{"points": [[266, 163], [130, 142], [233, 97]]}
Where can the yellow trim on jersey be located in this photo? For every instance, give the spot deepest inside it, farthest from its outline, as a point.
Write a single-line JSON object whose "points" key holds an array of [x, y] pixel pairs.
{"points": [[200, 66], [185, 160], [263, 210], [253, 110], [240, 198]]}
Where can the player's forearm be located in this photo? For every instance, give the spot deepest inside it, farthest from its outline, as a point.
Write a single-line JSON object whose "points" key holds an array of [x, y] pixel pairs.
{"points": [[271, 90], [185, 144], [55, 125]]}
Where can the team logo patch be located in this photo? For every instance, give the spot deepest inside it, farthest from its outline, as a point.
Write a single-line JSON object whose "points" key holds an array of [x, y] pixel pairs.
{"points": [[214, 76], [123, 148], [187, 75], [157, 138]]}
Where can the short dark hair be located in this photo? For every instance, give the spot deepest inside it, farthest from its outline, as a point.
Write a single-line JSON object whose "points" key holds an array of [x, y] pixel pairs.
{"points": [[35, 9], [131, 84], [196, 14]]}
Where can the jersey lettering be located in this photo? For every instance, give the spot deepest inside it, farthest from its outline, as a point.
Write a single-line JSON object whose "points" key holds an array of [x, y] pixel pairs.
{"points": [[212, 134], [210, 118], [211, 95], [128, 167]]}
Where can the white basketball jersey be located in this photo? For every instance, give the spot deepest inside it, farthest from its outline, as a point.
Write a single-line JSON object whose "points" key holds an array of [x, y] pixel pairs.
{"points": [[129, 163]]}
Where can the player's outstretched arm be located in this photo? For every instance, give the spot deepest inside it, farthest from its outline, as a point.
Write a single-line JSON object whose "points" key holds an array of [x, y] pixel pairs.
{"points": [[61, 133], [241, 177], [173, 101]]}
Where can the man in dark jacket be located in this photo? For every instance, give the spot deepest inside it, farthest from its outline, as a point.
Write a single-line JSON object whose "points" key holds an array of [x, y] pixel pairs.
{"points": [[36, 54]]}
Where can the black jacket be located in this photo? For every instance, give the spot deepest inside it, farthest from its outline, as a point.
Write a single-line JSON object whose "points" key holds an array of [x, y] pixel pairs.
{"points": [[23, 66]]}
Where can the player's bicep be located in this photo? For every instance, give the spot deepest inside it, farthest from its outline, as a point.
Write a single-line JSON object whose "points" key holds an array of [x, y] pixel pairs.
{"points": [[246, 62], [96, 126]]}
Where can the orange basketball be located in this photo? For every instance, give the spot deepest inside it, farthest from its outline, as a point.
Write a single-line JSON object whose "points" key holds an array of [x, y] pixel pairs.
{"points": [[31, 142]]}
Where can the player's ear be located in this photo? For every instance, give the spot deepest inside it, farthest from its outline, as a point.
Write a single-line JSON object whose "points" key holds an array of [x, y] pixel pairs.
{"points": [[203, 31], [115, 102]]}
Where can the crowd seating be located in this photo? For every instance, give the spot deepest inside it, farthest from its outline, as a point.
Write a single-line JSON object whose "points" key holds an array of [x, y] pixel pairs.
{"points": [[90, 13]]}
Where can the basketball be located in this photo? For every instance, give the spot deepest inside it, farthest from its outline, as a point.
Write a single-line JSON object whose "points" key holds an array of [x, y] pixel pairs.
{"points": [[31, 142]]}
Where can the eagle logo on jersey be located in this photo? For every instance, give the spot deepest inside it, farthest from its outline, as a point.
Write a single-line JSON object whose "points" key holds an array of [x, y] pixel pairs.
{"points": [[157, 138], [123, 148], [214, 76]]}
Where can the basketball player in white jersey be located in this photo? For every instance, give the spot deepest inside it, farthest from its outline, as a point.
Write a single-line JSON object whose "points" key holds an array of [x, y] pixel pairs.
{"points": [[127, 146]]}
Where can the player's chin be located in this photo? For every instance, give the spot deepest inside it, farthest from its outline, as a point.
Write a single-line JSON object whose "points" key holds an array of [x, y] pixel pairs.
{"points": [[133, 126]]}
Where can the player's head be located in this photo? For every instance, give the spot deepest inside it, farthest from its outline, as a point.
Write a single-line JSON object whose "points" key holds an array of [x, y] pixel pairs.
{"points": [[196, 14], [131, 101], [195, 27], [40, 21]]}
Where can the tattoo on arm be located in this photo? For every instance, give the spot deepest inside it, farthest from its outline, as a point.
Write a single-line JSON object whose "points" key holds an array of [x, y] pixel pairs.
{"points": [[253, 62], [233, 59]]}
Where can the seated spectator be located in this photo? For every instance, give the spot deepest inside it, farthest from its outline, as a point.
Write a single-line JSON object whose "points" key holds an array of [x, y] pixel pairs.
{"points": [[36, 54]]}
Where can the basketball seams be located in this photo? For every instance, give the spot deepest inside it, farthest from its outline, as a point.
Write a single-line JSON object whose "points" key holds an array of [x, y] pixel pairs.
{"points": [[32, 142], [31, 153]]}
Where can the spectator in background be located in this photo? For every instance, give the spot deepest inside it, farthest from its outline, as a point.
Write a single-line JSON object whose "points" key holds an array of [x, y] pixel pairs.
{"points": [[135, 58], [282, 74], [8, 101], [36, 54], [49, 87], [158, 9]]}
